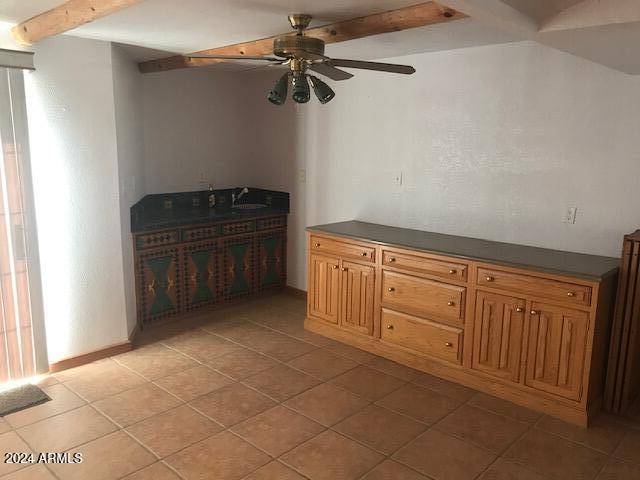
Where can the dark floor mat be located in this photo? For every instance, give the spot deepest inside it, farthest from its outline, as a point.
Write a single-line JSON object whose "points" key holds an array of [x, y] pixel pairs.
{"points": [[20, 398]]}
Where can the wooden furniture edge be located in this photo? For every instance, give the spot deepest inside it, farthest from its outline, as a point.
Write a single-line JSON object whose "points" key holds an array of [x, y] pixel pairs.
{"points": [[84, 358], [454, 373]]}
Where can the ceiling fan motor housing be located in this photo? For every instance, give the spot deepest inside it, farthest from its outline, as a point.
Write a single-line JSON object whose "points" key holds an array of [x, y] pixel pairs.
{"points": [[288, 45]]}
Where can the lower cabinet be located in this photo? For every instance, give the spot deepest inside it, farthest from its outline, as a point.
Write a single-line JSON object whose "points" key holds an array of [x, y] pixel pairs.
{"points": [[342, 292], [200, 274], [498, 334], [556, 354], [272, 256], [357, 297], [237, 267], [324, 288], [158, 280]]}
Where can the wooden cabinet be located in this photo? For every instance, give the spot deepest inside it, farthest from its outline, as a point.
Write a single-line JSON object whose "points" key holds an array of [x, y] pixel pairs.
{"points": [[158, 281], [498, 334], [557, 342], [200, 274], [357, 297], [531, 337], [324, 288], [197, 266]]}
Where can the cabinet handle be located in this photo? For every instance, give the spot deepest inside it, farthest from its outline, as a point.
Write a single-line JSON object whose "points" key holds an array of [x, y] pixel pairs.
{"points": [[519, 309], [391, 289], [317, 245], [392, 259], [450, 303], [389, 327], [571, 294], [448, 344], [534, 312], [489, 278], [363, 254], [452, 271]]}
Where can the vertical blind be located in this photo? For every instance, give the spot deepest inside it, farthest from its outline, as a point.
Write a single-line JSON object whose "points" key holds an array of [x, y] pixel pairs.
{"points": [[18, 356]]}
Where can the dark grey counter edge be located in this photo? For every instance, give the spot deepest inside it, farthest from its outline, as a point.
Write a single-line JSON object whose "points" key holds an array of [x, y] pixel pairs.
{"points": [[595, 267]]}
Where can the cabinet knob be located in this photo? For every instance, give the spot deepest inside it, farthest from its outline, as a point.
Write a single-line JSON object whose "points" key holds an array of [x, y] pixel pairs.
{"points": [[317, 245], [343, 269], [489, 278], [452, 271], [335, 267], [534, 312], [389, 327], [571, 294], [519, 309], [448, 344], [392, 259], [450, 303], [391, 289], [363, 254]]}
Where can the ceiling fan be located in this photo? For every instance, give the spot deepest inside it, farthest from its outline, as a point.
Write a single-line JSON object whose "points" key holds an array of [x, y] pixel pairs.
{"points": [[302, 53]]}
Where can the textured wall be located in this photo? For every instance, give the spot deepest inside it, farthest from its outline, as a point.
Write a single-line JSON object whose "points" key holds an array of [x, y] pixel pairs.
{"points": [[493, 142], [127, 93], [75, 173]]}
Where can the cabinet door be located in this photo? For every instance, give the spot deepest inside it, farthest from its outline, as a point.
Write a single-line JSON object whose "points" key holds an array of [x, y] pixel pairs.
{"points": [[272, 269], [357, 297], [238, 266], [200, 267], [158, 283], [497, 335], [324, 287], [557, 343]]}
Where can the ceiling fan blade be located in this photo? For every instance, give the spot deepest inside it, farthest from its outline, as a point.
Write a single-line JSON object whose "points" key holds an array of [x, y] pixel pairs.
{"points": [[330, 71], [380, 67], [234, 57]]}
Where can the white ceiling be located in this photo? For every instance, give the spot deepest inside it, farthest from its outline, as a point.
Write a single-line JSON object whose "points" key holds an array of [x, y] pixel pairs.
{"points": [[155, 28]]}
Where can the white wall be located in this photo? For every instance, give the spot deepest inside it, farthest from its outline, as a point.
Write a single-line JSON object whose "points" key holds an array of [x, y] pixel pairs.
{"points": [[127, 93], [493, 142], [75, 172], [196, 125]]}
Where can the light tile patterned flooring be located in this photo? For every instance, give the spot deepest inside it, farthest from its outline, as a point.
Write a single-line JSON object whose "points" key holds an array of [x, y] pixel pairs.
{"points": [[247, 393]]}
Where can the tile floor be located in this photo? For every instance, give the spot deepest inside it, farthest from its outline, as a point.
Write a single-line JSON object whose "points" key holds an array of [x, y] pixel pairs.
{"points": [[247, 393]]}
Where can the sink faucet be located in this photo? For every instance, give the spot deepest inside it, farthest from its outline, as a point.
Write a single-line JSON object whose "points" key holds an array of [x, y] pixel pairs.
{"points": [[235, 198]]}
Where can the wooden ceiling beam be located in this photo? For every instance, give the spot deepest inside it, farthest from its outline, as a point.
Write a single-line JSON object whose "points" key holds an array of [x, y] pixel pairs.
{"points": [[428, 13], [67, 16]]}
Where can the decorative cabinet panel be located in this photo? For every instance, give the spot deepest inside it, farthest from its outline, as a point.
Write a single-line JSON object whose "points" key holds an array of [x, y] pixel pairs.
{"points": [[498, 335], [158, 283], [238, 266], [272, 255], [557, 343], [196, 266], [324, 288], [200, 274], [357, 299]]}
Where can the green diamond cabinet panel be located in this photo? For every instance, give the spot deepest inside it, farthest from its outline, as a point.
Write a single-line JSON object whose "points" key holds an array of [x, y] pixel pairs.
{"points": [[238, 266], [201, 274], [158, 283], [272, 253]]}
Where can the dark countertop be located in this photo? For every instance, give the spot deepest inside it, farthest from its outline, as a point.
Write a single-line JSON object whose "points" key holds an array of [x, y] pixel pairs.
{"points": [[589, 267], [190, 208]]}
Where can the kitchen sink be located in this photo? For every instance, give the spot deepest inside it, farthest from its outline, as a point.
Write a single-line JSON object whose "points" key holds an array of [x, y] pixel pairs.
{"points": [[249, 206]]}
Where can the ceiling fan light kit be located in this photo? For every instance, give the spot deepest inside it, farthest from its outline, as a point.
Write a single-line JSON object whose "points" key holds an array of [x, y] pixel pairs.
{"points": [[302, 53]]}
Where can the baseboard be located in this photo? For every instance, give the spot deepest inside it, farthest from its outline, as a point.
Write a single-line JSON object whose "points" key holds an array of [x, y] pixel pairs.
{"points": [[295, 292], [89, 357]]}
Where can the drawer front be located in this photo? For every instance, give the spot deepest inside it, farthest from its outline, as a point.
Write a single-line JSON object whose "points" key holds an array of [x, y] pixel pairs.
{"points": [[422, 335], [237, 228], [455, 271], [565, 292], [200, 233], [272, 222], [157, 239], [423, 297], [343, 249]]}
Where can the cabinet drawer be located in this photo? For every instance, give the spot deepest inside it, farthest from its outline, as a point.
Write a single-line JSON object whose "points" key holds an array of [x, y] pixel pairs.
{"points": [[423, 297], [569, 293], [343, 249], [422, 335], [455, 271]]}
